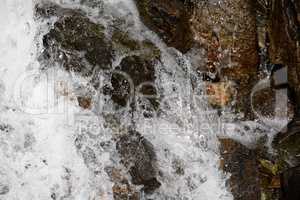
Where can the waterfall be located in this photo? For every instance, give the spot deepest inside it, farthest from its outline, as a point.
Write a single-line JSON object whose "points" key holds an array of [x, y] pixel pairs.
{"points": [[51, 148]]}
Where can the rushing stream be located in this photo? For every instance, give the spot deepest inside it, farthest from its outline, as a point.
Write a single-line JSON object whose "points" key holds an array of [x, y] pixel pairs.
{"points": [[41, 122]]}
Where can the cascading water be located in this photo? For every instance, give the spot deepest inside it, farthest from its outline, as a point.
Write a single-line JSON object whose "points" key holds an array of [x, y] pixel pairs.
{"points": [[42, 126]]}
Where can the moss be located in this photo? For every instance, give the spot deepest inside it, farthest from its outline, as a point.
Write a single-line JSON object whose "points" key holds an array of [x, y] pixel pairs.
{"points": [[122, 40]]}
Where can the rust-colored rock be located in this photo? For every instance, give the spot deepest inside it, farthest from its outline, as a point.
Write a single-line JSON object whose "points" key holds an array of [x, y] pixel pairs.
{"points": [[220, 94], [227, 29], [122, 190], [85, 102], [241, 163]]}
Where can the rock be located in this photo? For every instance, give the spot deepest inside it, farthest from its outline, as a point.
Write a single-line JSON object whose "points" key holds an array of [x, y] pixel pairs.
{"points": [[241, 163], [85, 102], [138, 70], [138, 156], [170, 20], [82, 46], [284, 35], [220, 94], [227, 30], [287, 143], [291, 184], [271, 103], [75, 39], [122, 190]]}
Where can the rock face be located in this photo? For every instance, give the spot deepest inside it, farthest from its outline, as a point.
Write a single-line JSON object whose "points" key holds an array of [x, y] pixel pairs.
{"points": [[241, 163], [283, 29], [288, 144], [75, 40], [227, 30], [291, 184], [83, 46], [140, 78], [138, 155], [170, 20]]}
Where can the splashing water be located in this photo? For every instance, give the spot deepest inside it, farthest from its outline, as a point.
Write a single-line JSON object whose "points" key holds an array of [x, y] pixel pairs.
{"points": [[39, 159]]}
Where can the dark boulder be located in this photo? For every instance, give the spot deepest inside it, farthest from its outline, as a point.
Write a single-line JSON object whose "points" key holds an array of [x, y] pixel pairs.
{"points": [[86, 47], [284, 35], [241, 163], [137, 77], [291, 184], [170, 20], [287, 143], [76, 42], [138, 156]]}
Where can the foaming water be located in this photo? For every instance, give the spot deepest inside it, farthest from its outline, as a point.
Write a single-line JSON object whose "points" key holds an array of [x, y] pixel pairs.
{"points": [[39, 159]]}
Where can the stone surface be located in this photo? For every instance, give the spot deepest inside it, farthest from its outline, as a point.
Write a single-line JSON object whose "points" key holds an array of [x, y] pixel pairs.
{"points": [[284, 34], [83, 46], [79, 44], [291, 184], [220, 94], [85, 102], [241, 163], [170, 20], [122, 189], [227, 30], [138, 156], [137, 77], [287, 143]]}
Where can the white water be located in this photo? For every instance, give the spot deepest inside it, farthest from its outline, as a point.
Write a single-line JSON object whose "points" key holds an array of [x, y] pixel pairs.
{"points": [[38, 154]]}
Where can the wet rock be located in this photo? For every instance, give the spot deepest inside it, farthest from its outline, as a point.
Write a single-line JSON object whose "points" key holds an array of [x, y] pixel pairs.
{"points": [[137, 77], [272, 103], [220, 94], [241, 163], [44, 9], [124, 192], [122, 189], [291, 184], [170, 20], [138, 156], [227, 31], [287, 143], [284, 36], [78, 43], [83, 46], [125, 44], [85, 102]]}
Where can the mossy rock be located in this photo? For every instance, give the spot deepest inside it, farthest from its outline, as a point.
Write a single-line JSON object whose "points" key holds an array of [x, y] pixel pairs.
{"points": [[74, 39], [123, 43], [86, 47]]}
